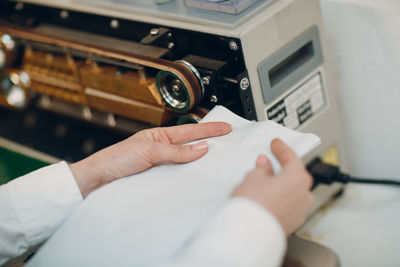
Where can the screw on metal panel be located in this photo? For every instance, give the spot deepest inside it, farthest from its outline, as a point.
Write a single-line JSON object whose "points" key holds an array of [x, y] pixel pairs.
{"points": [[114, 24], [171, 45], [154, 32], [214, 99], [19, 6], [233, 45], [169, 35], [244, 83], [64, 14], [206, 80]]}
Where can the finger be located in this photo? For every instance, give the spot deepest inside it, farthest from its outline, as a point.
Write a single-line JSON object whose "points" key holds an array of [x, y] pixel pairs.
{"points": [[264, 163], [282, 152], [178, 153], [262, 160], [191, 132]]}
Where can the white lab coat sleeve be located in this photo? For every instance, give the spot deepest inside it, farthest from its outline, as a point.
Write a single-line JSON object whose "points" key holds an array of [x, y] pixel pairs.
{"points": [[242, 234], [32, 207]]}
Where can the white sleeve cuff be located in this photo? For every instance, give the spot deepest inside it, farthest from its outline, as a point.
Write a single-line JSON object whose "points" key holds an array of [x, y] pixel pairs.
{"points": [[43, 199], [243, 234]]}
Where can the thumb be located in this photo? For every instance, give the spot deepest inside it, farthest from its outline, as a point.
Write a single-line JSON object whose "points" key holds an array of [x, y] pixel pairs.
{"points": [[179, 153]]}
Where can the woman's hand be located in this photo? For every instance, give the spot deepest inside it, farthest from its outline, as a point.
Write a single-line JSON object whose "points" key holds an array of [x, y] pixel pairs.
{"points": [[144, 150], [287, 194]]}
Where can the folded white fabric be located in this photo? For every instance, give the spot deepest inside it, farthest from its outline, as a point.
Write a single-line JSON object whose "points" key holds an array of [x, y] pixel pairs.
{"points": [[149, 217]]}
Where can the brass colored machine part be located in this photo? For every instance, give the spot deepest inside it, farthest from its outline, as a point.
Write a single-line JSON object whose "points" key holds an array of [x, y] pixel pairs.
{"points": [[14, 89], [54, 75], [181, 71], [153, 114], [128, 84], [87, 72]]}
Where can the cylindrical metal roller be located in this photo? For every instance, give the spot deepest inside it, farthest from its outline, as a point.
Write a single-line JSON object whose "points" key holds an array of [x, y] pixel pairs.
{"points": [[194, 116], [13, 88], [176, 93]]}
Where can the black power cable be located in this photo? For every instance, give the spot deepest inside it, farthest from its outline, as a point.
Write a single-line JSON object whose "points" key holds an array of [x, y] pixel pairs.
{"points": [[327, 174], [349, 179]]}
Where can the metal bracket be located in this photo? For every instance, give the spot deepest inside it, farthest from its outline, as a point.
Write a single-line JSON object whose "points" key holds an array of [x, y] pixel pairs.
{"points": [[154, 35]]}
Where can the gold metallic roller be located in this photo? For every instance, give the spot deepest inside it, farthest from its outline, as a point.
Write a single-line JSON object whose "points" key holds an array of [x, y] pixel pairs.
{"points": [[65, 74]]}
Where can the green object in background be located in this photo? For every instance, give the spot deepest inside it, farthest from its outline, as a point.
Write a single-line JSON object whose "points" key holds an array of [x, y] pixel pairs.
{"points": [[14, 164]]}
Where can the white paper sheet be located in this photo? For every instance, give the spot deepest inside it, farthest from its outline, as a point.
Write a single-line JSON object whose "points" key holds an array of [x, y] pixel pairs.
{"points": [[149, 217]]}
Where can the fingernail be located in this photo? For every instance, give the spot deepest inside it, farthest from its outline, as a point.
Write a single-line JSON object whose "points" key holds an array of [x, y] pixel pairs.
{"points": [[200, 146], [276, 140], [261, 160], [227, 127]]}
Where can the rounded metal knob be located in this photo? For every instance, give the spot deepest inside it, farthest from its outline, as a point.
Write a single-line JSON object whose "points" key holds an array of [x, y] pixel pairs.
{"points": [[8, 42], [16, 97], [13, 88]]}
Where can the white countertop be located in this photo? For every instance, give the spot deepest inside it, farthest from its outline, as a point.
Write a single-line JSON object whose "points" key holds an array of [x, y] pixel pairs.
{"points": [[362, 226]]}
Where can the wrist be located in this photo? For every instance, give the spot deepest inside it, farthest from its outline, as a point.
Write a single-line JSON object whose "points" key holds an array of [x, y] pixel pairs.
{"points": [[88, 175]]}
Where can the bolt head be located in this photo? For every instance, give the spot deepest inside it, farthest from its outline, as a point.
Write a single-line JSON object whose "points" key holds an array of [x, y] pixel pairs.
{"points": [[175, 88], [64, 14], [171, 45], [154, 32], [205, 80], [114, 24], [244, 83], [233, 45], [214, 99], [19, 6]]}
